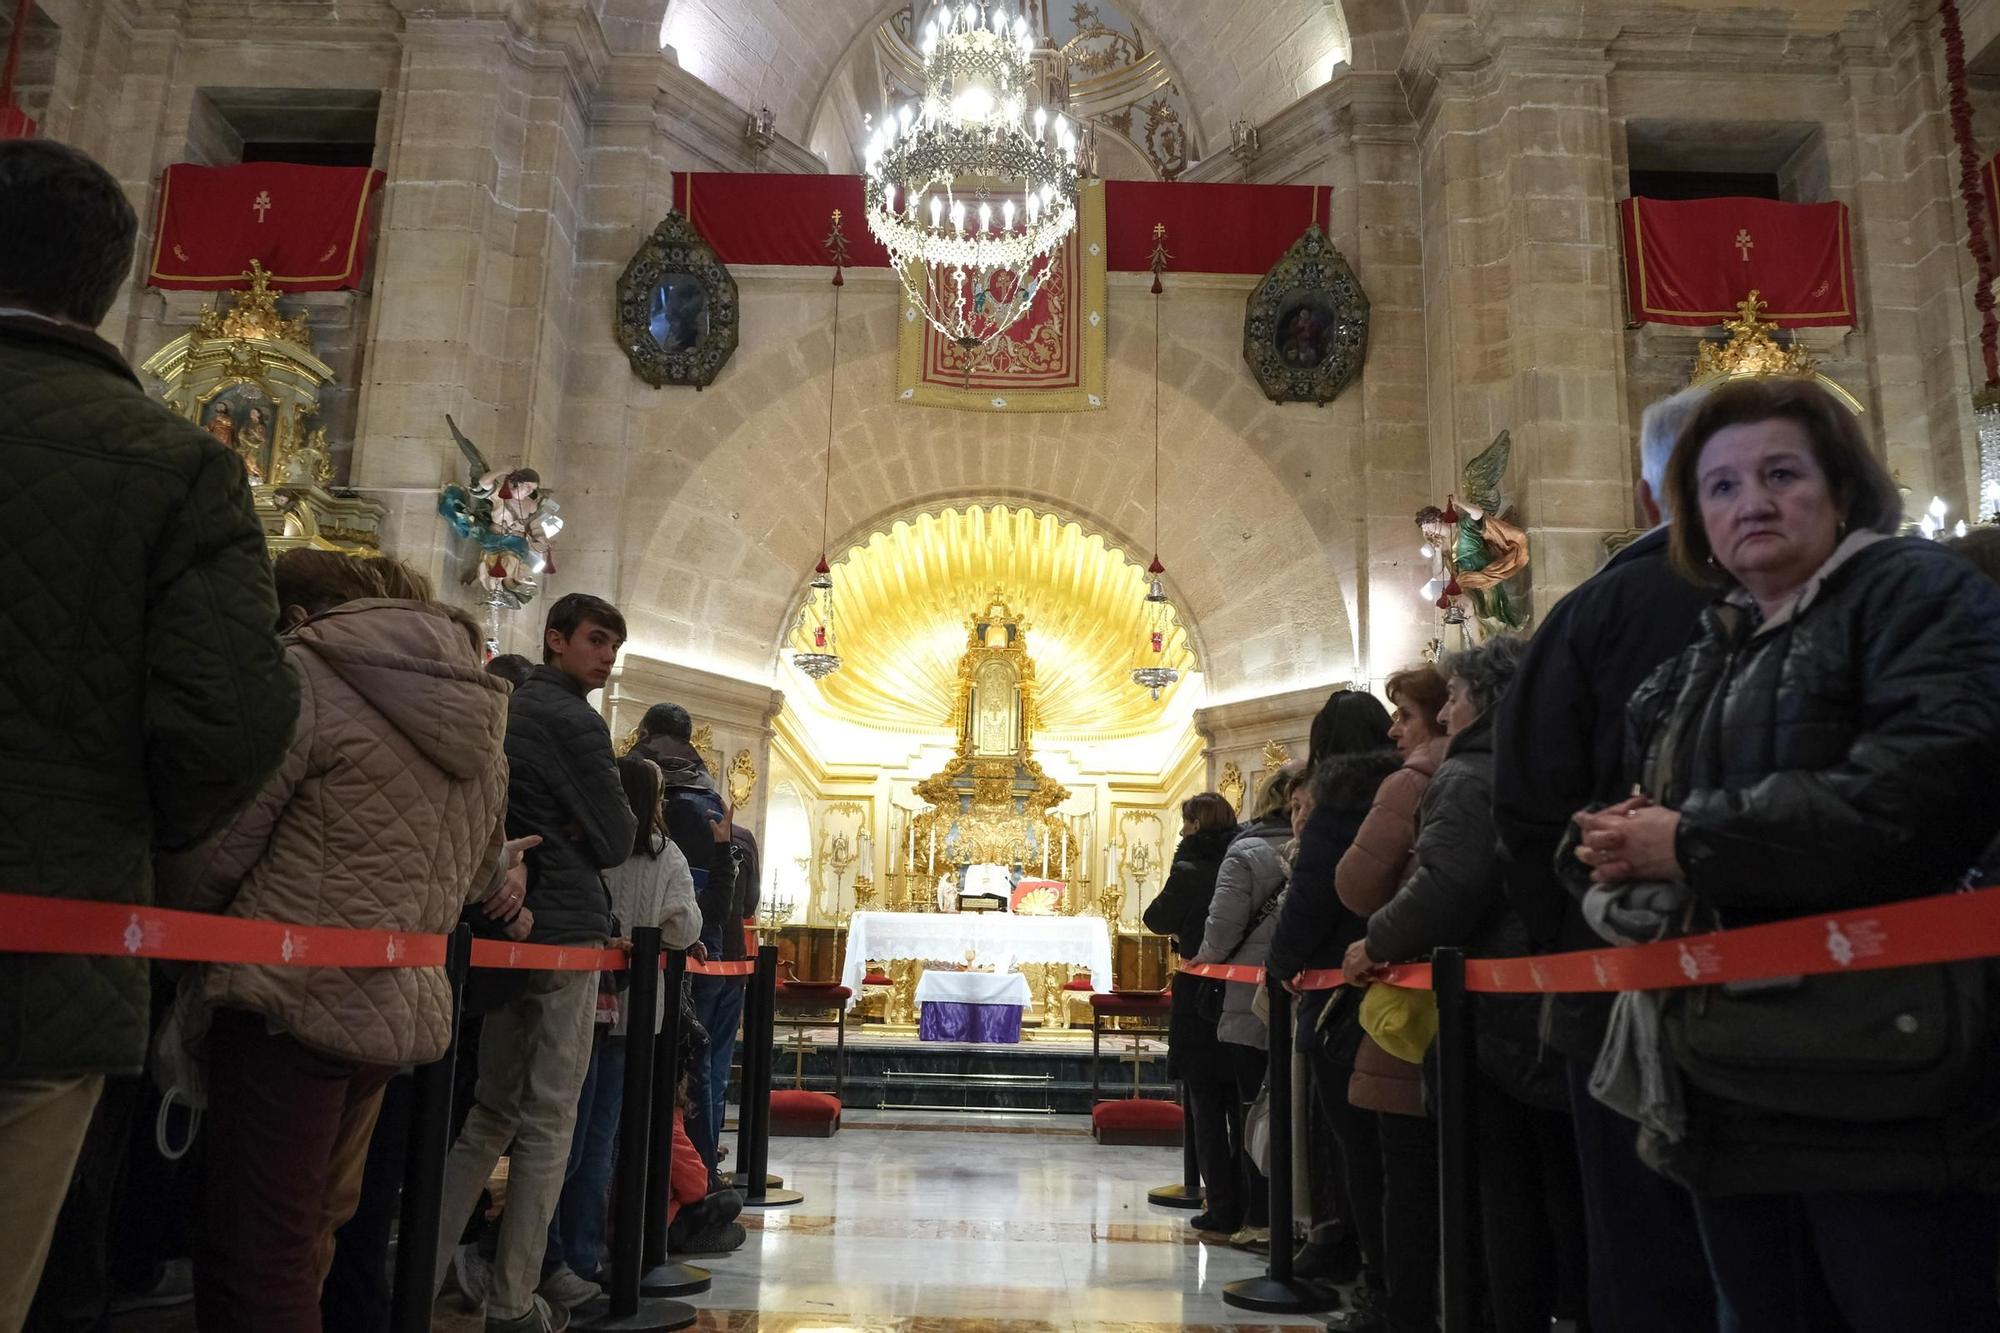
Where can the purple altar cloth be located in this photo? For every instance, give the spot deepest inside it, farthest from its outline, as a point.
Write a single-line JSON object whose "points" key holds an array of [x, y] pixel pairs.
{"points": [[992, 1024]]}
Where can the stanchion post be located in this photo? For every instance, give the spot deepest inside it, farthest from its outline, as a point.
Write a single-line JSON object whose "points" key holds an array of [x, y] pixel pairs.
{"points": [[746, 1121], [662, 1277], [415, 1289], [1276, 1292], [1186, 1194], [629, 1310], [760, 1014], [1454, 1112]]}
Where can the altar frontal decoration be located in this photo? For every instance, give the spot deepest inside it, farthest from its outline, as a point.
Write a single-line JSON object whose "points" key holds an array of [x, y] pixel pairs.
{"points": [[501, 525], [1051, 359], [307, 226], [1692, 261]]}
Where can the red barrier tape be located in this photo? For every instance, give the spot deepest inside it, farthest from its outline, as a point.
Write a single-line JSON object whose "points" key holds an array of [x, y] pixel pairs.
{"points": [[1946, 928], [117, 930]]}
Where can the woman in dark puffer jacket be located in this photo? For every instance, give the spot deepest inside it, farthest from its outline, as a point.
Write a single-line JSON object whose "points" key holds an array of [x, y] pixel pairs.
{"points": [[1830, 741], [1194, 1054]]}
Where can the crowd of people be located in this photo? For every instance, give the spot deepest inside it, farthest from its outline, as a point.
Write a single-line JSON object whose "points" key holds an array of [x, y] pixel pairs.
{"points": [[1771, 704], [315, 740], [1768, 705]]}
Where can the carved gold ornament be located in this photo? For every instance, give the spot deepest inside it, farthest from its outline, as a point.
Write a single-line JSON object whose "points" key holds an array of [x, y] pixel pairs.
{"points": [[1276, 756], [742, 779], [1750, 350], [1231, 786], [249, 377]]}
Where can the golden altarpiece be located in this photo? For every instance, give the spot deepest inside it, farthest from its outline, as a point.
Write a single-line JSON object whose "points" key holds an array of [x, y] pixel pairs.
{"points": [[249, 377]]}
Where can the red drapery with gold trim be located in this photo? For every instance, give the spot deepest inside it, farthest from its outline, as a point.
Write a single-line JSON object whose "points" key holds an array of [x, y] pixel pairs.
{"points": [[768, 218], [307, 225], [1691, 261]]}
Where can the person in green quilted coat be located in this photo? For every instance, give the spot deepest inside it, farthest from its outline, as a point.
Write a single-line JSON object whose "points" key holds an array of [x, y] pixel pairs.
{"points": [[143, 694]]}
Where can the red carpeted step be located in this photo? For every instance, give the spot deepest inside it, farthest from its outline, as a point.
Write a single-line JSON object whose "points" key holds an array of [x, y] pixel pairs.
{"points": [[798, 1114], [1140, 1121]]}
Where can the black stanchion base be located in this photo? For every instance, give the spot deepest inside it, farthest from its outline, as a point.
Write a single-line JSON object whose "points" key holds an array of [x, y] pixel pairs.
{"points": [[652, 1317], [774, 1199], [1270, 1296], [741, 1180], [672, 1279], [1173, 1196]]}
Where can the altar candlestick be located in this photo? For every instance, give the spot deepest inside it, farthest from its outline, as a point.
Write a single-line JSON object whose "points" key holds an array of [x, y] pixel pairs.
{"points": [[1045, 854], [1065, 859]]}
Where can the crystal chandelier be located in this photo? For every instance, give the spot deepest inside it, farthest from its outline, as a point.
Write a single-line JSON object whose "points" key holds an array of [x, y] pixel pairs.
{"points": [[973, 190]]}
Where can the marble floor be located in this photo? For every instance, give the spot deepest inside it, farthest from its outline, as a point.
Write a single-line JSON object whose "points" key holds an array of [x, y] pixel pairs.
{"points": [[918, 1223], [951, 1224]]}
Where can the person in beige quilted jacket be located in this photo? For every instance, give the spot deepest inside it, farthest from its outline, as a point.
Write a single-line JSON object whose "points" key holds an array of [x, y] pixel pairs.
{"points": [[386, 814]]}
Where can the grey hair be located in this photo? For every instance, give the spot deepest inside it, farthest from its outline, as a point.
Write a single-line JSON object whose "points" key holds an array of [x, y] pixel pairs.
{"points": [[1659, 427], [1488, 669]]}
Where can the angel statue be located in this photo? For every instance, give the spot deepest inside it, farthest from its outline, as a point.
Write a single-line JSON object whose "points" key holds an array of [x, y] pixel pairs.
{"points": [[505, 522], [1481, 551]]}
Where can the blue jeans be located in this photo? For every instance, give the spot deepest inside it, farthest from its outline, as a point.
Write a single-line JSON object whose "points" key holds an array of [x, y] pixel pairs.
{"points": [[576, 1231], [718, 1002], [1870, 1263]]}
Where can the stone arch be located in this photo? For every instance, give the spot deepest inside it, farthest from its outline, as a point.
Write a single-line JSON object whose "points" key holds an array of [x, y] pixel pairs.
{"points": [[717, 542]]}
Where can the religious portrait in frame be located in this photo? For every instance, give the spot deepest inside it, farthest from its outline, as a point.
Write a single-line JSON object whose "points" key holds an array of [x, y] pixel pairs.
{"points": [[1305, 332], [676, 314]]}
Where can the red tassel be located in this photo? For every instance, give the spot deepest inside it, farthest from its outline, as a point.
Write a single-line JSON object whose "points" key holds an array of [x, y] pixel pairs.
{"points": [[1452, 589], [1156, 568], [1450, 514], [839, 279], [1444, 603], [822, 567]]}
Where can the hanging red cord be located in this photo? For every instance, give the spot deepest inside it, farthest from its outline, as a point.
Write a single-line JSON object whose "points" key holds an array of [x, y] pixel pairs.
{"points": [[1969, 188]]}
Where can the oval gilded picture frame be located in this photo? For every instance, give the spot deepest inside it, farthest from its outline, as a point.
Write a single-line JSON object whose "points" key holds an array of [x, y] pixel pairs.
{"points": [[677, 309], [1305, 331]]}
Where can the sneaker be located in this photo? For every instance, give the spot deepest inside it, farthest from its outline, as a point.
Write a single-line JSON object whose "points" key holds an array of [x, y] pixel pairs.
{"points": [[566, 1288], [473, 1272], [541, 1318], [722, 1238], [174, 1287], [1257, 1240], [729, 1205]]}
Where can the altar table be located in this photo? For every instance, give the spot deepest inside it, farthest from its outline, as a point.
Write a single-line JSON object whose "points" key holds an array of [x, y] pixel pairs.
{"points": [[972, 1006], [997, 940]]}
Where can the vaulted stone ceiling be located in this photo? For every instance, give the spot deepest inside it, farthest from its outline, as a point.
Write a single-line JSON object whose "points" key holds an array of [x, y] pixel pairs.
{"points": [[1239, 62]]}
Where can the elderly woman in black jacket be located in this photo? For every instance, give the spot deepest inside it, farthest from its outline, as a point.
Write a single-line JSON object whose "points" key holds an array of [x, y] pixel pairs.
{"points": [[1194, 1054], [1530, 1196], [1831, 740]]}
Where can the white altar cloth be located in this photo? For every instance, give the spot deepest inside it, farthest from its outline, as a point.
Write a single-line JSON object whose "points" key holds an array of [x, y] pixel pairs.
{"points": [[974, 988], [999, 940]]}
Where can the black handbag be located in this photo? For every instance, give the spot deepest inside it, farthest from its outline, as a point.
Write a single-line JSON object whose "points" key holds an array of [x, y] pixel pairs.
{"points": [[1903, 1043]]}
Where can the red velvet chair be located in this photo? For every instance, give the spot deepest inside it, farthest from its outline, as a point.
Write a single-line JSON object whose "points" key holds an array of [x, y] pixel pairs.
{"points": [[794, 1112]]}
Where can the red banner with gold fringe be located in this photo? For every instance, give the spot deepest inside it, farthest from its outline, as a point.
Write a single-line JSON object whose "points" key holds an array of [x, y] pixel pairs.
{"points": [[1690, 261], [769, 218], [308, 226]]}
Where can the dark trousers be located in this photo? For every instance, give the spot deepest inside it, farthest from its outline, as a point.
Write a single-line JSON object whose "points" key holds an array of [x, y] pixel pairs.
{"points": [[1410, 1244], [1647, 1270], [357, 1290], [1867, 1263], [1531, 1211], [1356, 1157], [287, 1132], [577, 1231], [718, 1003], [1217, 1108]]}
